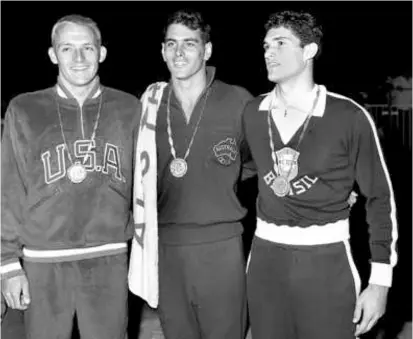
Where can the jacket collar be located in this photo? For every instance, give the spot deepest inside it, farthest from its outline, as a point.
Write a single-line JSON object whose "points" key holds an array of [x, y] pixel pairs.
{"points": [[271, 101], [64, 92]]}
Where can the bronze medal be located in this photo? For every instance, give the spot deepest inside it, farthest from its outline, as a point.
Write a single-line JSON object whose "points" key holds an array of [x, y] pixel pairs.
{"points": [[281, 186]]}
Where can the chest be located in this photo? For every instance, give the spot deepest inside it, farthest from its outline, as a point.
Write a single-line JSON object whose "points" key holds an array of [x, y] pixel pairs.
{"points": [[214, 140], [322, 146]]}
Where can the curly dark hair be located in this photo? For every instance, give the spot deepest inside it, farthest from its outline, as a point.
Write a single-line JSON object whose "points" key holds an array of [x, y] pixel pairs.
{"points": [[191, 19], [302, 24]]}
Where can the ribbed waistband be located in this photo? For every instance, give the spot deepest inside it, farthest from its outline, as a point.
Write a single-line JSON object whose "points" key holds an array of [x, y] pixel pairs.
{"points": [[191, 234], [295, 235], [73, 254]]}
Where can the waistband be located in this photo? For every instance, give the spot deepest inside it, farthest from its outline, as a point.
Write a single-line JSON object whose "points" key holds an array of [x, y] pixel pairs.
{"points": [[73, 254], [313, 235], [191, 234]]}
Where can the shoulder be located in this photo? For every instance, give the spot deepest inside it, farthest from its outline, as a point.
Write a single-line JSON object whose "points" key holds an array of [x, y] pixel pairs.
{"points": [[256, 105], [31, 98], [26, 104], [347, 110], [235, 92], [123, 98], [153, 88], [344, 105]]}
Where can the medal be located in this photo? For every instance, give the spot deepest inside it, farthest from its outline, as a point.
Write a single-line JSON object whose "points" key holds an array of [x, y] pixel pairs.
{"points": [[76, 173], [178, 167], [281, 186]]}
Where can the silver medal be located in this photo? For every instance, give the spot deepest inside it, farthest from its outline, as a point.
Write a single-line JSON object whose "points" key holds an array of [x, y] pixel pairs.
{"points": [[178, 167], [77, 173]]}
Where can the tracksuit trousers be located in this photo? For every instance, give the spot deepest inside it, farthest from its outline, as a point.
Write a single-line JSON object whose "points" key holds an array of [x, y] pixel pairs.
{"points": [[202, 290], [301, 291]]}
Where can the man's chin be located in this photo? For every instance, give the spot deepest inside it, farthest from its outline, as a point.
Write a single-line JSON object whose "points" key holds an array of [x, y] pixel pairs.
{"points": [[181, 75], [83, 82]]}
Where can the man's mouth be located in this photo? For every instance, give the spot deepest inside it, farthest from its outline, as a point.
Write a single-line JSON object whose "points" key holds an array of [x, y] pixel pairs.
{"points": [[180, 63], [79, 68]]}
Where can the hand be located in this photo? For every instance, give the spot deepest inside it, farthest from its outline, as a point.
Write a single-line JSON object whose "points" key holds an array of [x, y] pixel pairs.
{"points": [[370, 306], [3, 308], [352, 199], [16, 292]]}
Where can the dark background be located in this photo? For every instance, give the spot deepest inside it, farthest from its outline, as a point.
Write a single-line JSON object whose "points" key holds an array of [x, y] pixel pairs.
{"points": [[364, 44]]}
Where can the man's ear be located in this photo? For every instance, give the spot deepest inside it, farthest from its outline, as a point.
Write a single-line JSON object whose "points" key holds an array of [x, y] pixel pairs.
{"points": [[103, 53], [163, 52], [310, 51], [208, 51], [52, 55]]}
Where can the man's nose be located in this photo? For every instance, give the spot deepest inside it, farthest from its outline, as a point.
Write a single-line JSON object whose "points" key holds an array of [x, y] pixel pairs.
{"points": [[179, 51], [79, 55], [269, 53]]}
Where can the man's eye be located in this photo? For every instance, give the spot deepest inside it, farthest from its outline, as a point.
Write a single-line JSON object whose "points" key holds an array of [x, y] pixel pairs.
{"points": [[170, 44], [65, 49], [89, 48], [190, 44]]}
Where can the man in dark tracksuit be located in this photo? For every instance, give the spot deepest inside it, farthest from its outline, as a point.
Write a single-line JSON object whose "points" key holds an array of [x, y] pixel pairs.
{"points": [[200, 150], [310, 146], [67, 156]]}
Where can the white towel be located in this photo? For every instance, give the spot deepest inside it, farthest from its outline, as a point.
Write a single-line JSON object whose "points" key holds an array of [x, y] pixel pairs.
{"points": [[143, 266]]}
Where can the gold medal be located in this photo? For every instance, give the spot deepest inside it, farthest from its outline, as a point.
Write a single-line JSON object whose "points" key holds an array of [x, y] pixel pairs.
{"points": [[77, 173], [178, 167]]}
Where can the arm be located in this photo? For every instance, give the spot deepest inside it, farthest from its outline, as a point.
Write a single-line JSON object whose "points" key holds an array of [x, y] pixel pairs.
{"points": [[374, 181], [14, 282], [248, 168], [12, 195]]}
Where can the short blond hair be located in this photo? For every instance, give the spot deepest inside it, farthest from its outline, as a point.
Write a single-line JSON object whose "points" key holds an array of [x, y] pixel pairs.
{"points": [[79, 20]]}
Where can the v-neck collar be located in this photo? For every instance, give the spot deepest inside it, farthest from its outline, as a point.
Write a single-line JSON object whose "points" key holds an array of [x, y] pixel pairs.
{"points": [[199, 105], [270, 101], [290, 126]]}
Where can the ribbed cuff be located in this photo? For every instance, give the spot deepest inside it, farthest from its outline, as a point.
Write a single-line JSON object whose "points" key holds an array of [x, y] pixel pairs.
{"points": [[381, 274], [11, 270]]}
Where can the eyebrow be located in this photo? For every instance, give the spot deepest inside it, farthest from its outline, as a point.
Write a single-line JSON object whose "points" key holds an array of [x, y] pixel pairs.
{"points": [[71, 44], [277, 38], [186, 40]]}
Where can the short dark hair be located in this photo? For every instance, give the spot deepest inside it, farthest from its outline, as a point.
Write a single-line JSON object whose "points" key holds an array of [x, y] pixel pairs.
{"points": [[302, 24], [191, 19], [79, 20]]}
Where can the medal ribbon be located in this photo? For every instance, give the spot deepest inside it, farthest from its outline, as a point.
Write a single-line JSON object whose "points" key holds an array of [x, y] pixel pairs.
{"points": [[94, 128], [168, 121], [305, 125]]}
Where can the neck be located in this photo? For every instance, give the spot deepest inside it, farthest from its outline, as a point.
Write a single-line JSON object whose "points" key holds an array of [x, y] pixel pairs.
{"points": [[290, 91], [296, 93], [296, 86], [190, 89], [80, 93]]}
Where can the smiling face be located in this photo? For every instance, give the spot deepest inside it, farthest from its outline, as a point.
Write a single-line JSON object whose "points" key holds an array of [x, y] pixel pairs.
{"points": [[77, 53], [184, 52], [284, 57]]}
